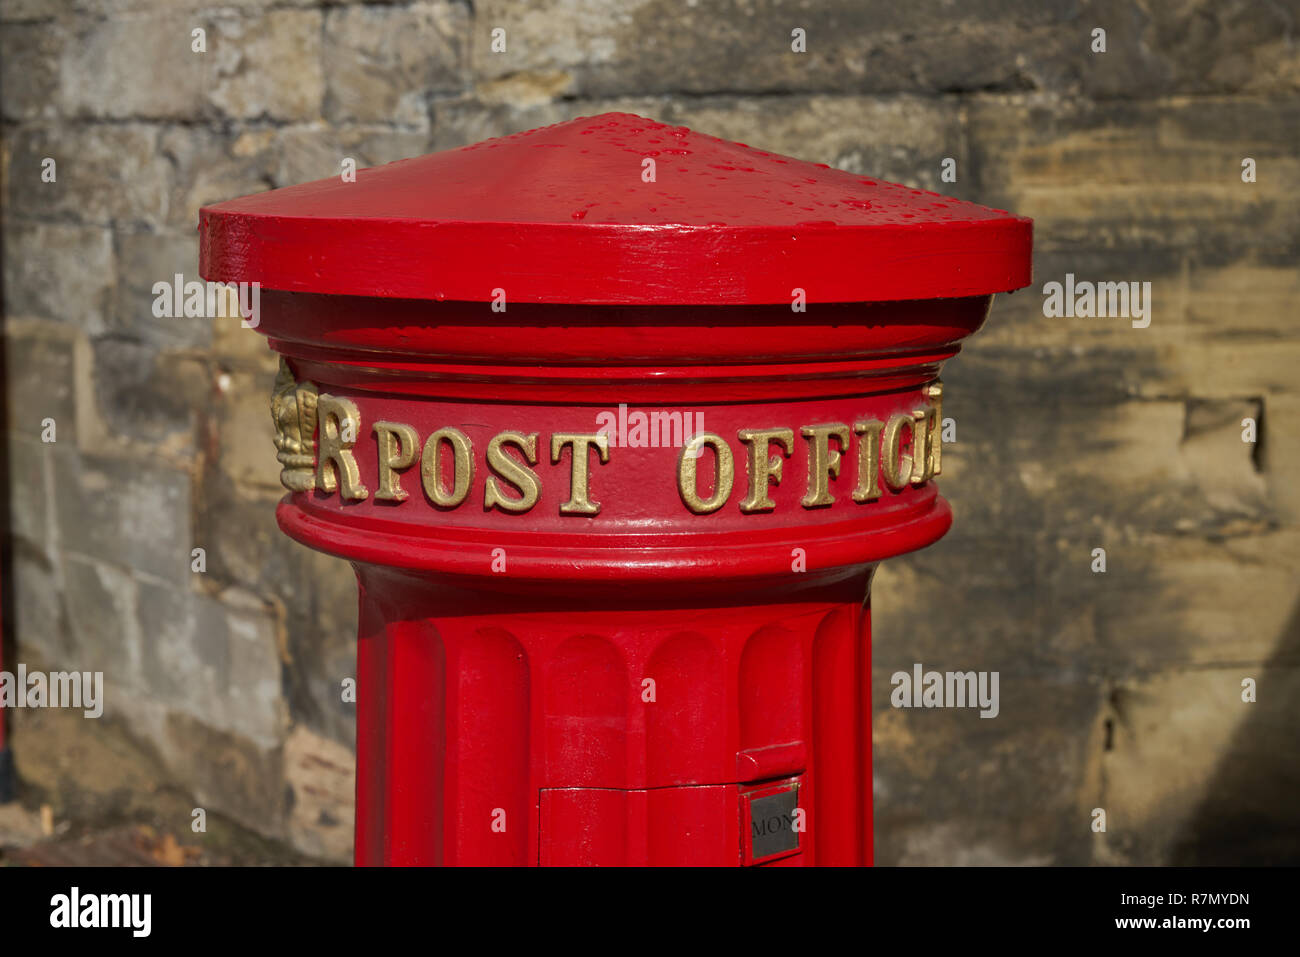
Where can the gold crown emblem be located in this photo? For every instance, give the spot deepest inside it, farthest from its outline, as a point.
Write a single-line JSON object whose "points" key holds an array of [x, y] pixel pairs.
{"points": [[293, 409]]}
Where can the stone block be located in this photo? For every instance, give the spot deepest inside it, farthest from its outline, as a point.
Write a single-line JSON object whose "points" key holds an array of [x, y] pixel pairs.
{"points": [[383, 64]]}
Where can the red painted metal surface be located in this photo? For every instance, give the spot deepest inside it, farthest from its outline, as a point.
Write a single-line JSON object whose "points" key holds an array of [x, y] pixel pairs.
{"points": [[651, 682], [562, 215]]}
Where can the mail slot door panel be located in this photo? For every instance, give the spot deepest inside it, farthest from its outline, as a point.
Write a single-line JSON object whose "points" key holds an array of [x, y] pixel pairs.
{"points": [[683, 826]]}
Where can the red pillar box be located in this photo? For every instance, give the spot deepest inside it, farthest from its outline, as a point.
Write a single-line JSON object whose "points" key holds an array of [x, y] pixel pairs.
{"points": [[614, 420]]}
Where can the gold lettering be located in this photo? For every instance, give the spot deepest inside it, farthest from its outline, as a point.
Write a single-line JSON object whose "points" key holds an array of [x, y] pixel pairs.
{"points": [[333, 414], [935, 392], [579, 502], [868, 433], [462, 467], [922, 432], [397, 447], [904, 449], [764, 470], [723, 477], [896, 466], [520, 476], [823, 461]]}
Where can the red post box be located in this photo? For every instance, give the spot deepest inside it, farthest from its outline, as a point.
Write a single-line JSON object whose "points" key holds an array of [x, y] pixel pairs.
{"points": [[614, 421]]}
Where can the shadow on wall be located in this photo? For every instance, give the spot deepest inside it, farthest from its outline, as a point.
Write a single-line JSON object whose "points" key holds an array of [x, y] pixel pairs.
{"points": [[1237, 821], [8, 638]]}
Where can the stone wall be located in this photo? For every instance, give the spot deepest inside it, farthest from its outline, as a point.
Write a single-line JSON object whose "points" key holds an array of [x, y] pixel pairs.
{"points": [[1121, 690]]}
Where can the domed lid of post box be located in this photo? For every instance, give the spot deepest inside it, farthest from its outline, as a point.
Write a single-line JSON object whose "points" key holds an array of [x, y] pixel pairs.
{"points": [[614, 209]]}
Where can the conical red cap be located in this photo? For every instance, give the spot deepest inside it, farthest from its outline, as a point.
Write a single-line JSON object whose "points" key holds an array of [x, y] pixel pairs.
{"points": [[566, 214]]}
